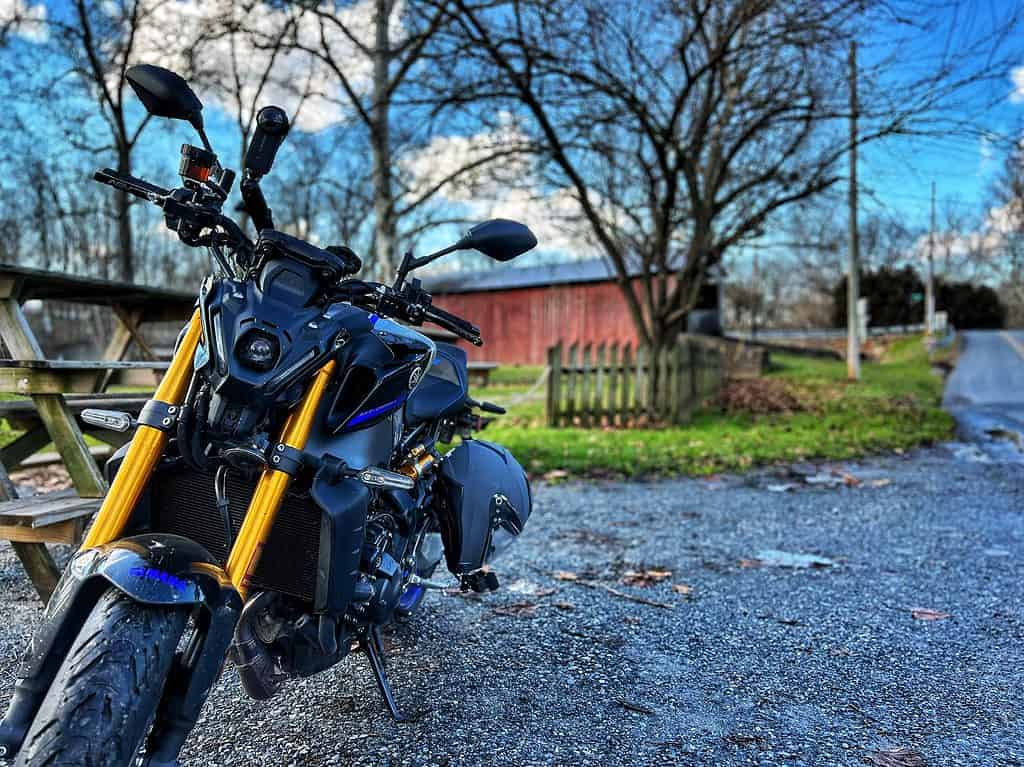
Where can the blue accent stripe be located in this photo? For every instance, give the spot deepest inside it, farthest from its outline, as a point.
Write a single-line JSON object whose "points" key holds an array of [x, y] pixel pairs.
{"points": [[366, 415]]}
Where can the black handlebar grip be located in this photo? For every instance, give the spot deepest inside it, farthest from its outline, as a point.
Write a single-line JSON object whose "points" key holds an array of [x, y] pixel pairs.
{"points": [[271, 128], [451, 319], [130, 184]]}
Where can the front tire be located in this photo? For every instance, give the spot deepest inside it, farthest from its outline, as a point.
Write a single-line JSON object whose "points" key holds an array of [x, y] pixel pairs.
{"points": [[102, 701]]}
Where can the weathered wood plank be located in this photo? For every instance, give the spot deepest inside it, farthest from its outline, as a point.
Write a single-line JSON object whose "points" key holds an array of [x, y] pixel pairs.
{"points": [[41, 511], [68, 532], [28, 444], [572, 374], [613, 383], [70, 443], [554, 400], [39, 566], [626, 376], [34, 557], [586, 385]]}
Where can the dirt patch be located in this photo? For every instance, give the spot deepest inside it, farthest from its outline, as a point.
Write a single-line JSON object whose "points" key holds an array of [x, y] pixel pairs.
{"points": [[43, 479], [760, 396]]}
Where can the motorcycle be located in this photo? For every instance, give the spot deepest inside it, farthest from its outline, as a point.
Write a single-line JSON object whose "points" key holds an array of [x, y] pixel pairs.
{"points": [[284, 495]]}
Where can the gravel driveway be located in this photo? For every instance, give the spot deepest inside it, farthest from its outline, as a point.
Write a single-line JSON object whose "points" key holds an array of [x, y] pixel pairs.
{"points": [[758, 665]]}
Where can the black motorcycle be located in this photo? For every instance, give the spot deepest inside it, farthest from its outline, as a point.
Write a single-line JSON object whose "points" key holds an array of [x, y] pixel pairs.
{"points": [[283, 496]]}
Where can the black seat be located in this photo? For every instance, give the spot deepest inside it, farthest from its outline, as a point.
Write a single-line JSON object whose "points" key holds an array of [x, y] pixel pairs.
{"points": [[444, 388]]}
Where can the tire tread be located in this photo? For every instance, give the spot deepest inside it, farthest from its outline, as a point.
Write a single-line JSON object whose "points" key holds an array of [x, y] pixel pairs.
{"points": [[105, 694]]}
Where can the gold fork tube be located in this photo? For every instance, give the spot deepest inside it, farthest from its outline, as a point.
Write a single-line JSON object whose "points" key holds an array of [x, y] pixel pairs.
{"points": [[146, 447], [266, 499]]}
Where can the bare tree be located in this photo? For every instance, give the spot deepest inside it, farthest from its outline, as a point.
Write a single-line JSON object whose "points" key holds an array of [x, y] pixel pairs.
{"points": [[99, 42], [679, 127], [393, 41]]}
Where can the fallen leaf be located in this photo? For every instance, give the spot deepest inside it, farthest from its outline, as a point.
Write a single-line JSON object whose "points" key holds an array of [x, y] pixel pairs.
{"points": [[564, 575], [638, 707], [645, 577], [517, 609], [682, 588], [849, 480], [555, 474], [896, 757], [926, 614]]}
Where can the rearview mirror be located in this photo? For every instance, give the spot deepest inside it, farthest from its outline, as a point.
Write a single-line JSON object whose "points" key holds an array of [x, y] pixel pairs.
{"points": [[165, 94], [499, 239]]}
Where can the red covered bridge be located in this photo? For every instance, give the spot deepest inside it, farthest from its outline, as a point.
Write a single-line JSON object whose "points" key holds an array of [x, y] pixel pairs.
{"points": [[521, 312]]}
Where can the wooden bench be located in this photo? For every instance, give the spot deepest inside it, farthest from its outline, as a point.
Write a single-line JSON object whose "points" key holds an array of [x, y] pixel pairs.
{"points": [[480, 373], [48, 409]]}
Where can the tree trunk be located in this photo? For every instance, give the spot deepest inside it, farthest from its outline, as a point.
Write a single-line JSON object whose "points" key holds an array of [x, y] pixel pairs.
{"points": [[383, 202], [126, 256]]}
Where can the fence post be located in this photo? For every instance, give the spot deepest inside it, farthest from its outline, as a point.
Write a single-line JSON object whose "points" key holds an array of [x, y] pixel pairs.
{"points": [[624, 371], [597, 403], [572, 373], [586, 384], [640, 389], [613, 381], [554, 383]]}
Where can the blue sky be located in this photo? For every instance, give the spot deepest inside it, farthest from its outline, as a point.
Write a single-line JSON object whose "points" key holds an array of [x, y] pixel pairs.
{"points": [[895, 175]]}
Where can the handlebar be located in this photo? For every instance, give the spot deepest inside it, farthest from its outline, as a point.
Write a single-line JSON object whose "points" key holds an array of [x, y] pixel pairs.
{"points": [[456, 325], [357, 291], [130, 184]]}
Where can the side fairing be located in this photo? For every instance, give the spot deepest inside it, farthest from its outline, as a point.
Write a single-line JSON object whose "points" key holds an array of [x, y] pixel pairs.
{"points": [[377, 374]]}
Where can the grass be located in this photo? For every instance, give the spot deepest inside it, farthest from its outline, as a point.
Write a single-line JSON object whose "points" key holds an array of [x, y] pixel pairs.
{"points": [[894, 407]]}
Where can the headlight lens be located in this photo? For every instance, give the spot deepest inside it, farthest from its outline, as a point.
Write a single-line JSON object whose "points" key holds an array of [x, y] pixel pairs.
{"points": [[258, 351]]}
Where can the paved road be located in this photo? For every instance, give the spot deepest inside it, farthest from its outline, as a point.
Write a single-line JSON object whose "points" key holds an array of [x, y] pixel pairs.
{"points": [[986, 391], [758, 665]]}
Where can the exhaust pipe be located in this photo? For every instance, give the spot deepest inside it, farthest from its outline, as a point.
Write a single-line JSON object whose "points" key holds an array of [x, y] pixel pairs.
{"points": [[261, 674]]}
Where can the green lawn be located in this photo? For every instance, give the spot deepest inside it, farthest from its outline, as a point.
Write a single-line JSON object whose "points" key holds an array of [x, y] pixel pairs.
{"points": [[895, 406]]}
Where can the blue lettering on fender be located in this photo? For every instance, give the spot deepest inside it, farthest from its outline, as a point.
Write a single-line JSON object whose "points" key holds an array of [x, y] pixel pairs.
{"points": [[153, 574]]}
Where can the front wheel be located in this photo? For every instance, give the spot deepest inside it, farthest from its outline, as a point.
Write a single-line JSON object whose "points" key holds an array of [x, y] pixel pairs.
{"points": [[102, 701]]}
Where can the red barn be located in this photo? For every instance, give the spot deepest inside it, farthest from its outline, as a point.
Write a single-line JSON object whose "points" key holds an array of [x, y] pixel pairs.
{"points": [[522, 312]]}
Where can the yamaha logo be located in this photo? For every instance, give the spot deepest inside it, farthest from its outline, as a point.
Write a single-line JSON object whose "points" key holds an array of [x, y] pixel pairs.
{"points": [[414, 377]]}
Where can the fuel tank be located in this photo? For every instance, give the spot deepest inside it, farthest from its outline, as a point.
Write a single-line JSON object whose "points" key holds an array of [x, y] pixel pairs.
{"points": [[484, 504]]}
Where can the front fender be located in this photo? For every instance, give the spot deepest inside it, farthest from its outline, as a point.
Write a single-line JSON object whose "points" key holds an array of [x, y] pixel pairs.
{"points": [[152, 569]]}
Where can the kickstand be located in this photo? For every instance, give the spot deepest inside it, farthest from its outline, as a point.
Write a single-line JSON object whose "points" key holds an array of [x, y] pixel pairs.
{"points": [[373, 646]]}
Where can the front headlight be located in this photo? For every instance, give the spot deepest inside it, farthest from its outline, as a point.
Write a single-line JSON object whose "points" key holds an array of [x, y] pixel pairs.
{"points": [[257, 350]]}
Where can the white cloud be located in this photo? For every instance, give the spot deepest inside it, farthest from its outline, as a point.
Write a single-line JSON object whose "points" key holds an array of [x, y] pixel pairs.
{"points": [[299, 82], [24, 20], [507, 188], [1017, 78]]}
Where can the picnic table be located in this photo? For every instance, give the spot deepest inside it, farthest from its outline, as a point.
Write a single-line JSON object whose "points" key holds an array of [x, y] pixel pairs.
{"points": [[53, 394]]}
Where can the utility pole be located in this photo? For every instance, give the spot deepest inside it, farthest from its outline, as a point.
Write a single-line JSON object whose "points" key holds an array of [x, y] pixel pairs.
{"points": [[853, 269], [929, 287]]}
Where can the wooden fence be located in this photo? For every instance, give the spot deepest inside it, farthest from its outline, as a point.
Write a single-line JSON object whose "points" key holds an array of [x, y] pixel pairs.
{"points": [[613, 385]]}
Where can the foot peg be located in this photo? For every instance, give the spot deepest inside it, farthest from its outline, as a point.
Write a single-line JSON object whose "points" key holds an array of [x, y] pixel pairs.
{"points": [[479, 581]]}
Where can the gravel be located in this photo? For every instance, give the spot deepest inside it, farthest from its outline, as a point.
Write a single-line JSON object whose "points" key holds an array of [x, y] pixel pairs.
{"points": [[759, 665]]}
